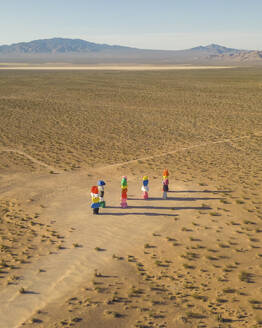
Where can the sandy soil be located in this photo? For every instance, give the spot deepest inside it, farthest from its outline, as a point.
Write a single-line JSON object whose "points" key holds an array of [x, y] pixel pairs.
{"points": [[193, 260], [66, 209], [130, 267]]}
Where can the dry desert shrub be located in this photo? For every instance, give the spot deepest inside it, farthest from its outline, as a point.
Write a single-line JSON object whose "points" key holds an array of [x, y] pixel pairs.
{"points": [[84, 118]]}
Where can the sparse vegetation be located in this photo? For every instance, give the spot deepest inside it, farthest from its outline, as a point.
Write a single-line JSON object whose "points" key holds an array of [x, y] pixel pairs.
{"points": [[99, 249], [22, 290], [194, 315], [188, 266], [75, 245], [229, 290], [143, 114], [245, 276], [214, 214]]}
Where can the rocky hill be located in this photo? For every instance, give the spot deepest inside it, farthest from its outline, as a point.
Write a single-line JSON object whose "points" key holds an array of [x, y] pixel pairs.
{"points": [[85, 52], [55, 46]]}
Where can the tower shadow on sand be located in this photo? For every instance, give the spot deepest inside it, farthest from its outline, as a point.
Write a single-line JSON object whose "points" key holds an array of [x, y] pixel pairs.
{"points": [[183, 199]]}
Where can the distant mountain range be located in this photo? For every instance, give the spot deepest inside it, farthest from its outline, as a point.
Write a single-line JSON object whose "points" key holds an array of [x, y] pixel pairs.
{"points": [[81, 51], [54, 46], [215, 48]]}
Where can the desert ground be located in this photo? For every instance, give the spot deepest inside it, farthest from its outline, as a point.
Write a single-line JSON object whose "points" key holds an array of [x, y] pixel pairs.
{"points": [[193, 260]]}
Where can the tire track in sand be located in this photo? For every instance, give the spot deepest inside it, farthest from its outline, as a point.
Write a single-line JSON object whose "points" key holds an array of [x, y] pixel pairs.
{"points": [[226, 140], [31, 158], [51, 168]]}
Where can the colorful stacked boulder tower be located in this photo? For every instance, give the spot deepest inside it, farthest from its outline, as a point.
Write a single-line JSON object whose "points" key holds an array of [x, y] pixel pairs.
{"points": [[165, 183], [95, 200], [101, 191], [124, 192], [165, 178], [145, 188]]}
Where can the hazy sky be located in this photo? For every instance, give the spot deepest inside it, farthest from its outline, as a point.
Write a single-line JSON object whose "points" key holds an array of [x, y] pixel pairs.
{"points": [[151, 24]]}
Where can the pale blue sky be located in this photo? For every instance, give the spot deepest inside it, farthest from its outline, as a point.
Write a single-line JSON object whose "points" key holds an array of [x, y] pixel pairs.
{"points": [[151, 24]]}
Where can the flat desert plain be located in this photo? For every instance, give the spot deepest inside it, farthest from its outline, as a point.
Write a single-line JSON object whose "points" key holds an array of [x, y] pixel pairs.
{"points": [[65, 67], [192, 260]]}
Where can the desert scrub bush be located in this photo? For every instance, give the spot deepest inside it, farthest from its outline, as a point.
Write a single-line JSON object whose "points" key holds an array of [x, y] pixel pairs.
{"points": [[239, 201], [116, 257], [4, 248], [246, 276], [220, 318], [200, 297], [254, 301], [131, 258], [22, 290], [221, 245], [170, 239], [194, 239], [14, 277], [140, 266], [199, 246], [221, 300], [155, 234], [194, 315], [249, 222], [75, 245], [36, 320], [224, 201], [195, 224], [211, 258], [99, 289], [4, 264], [259, 321], [234, 223], [229, 290], [135, 292], [214, 214], [98, 274], [212, 250], [186, 229], [188, 266], [230, 266], [190, 256], [98, 249], [254, 240]]}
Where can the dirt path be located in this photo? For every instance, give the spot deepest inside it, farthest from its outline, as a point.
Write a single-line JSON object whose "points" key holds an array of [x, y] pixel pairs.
{"points": [[203, 144], [31, 158]]}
